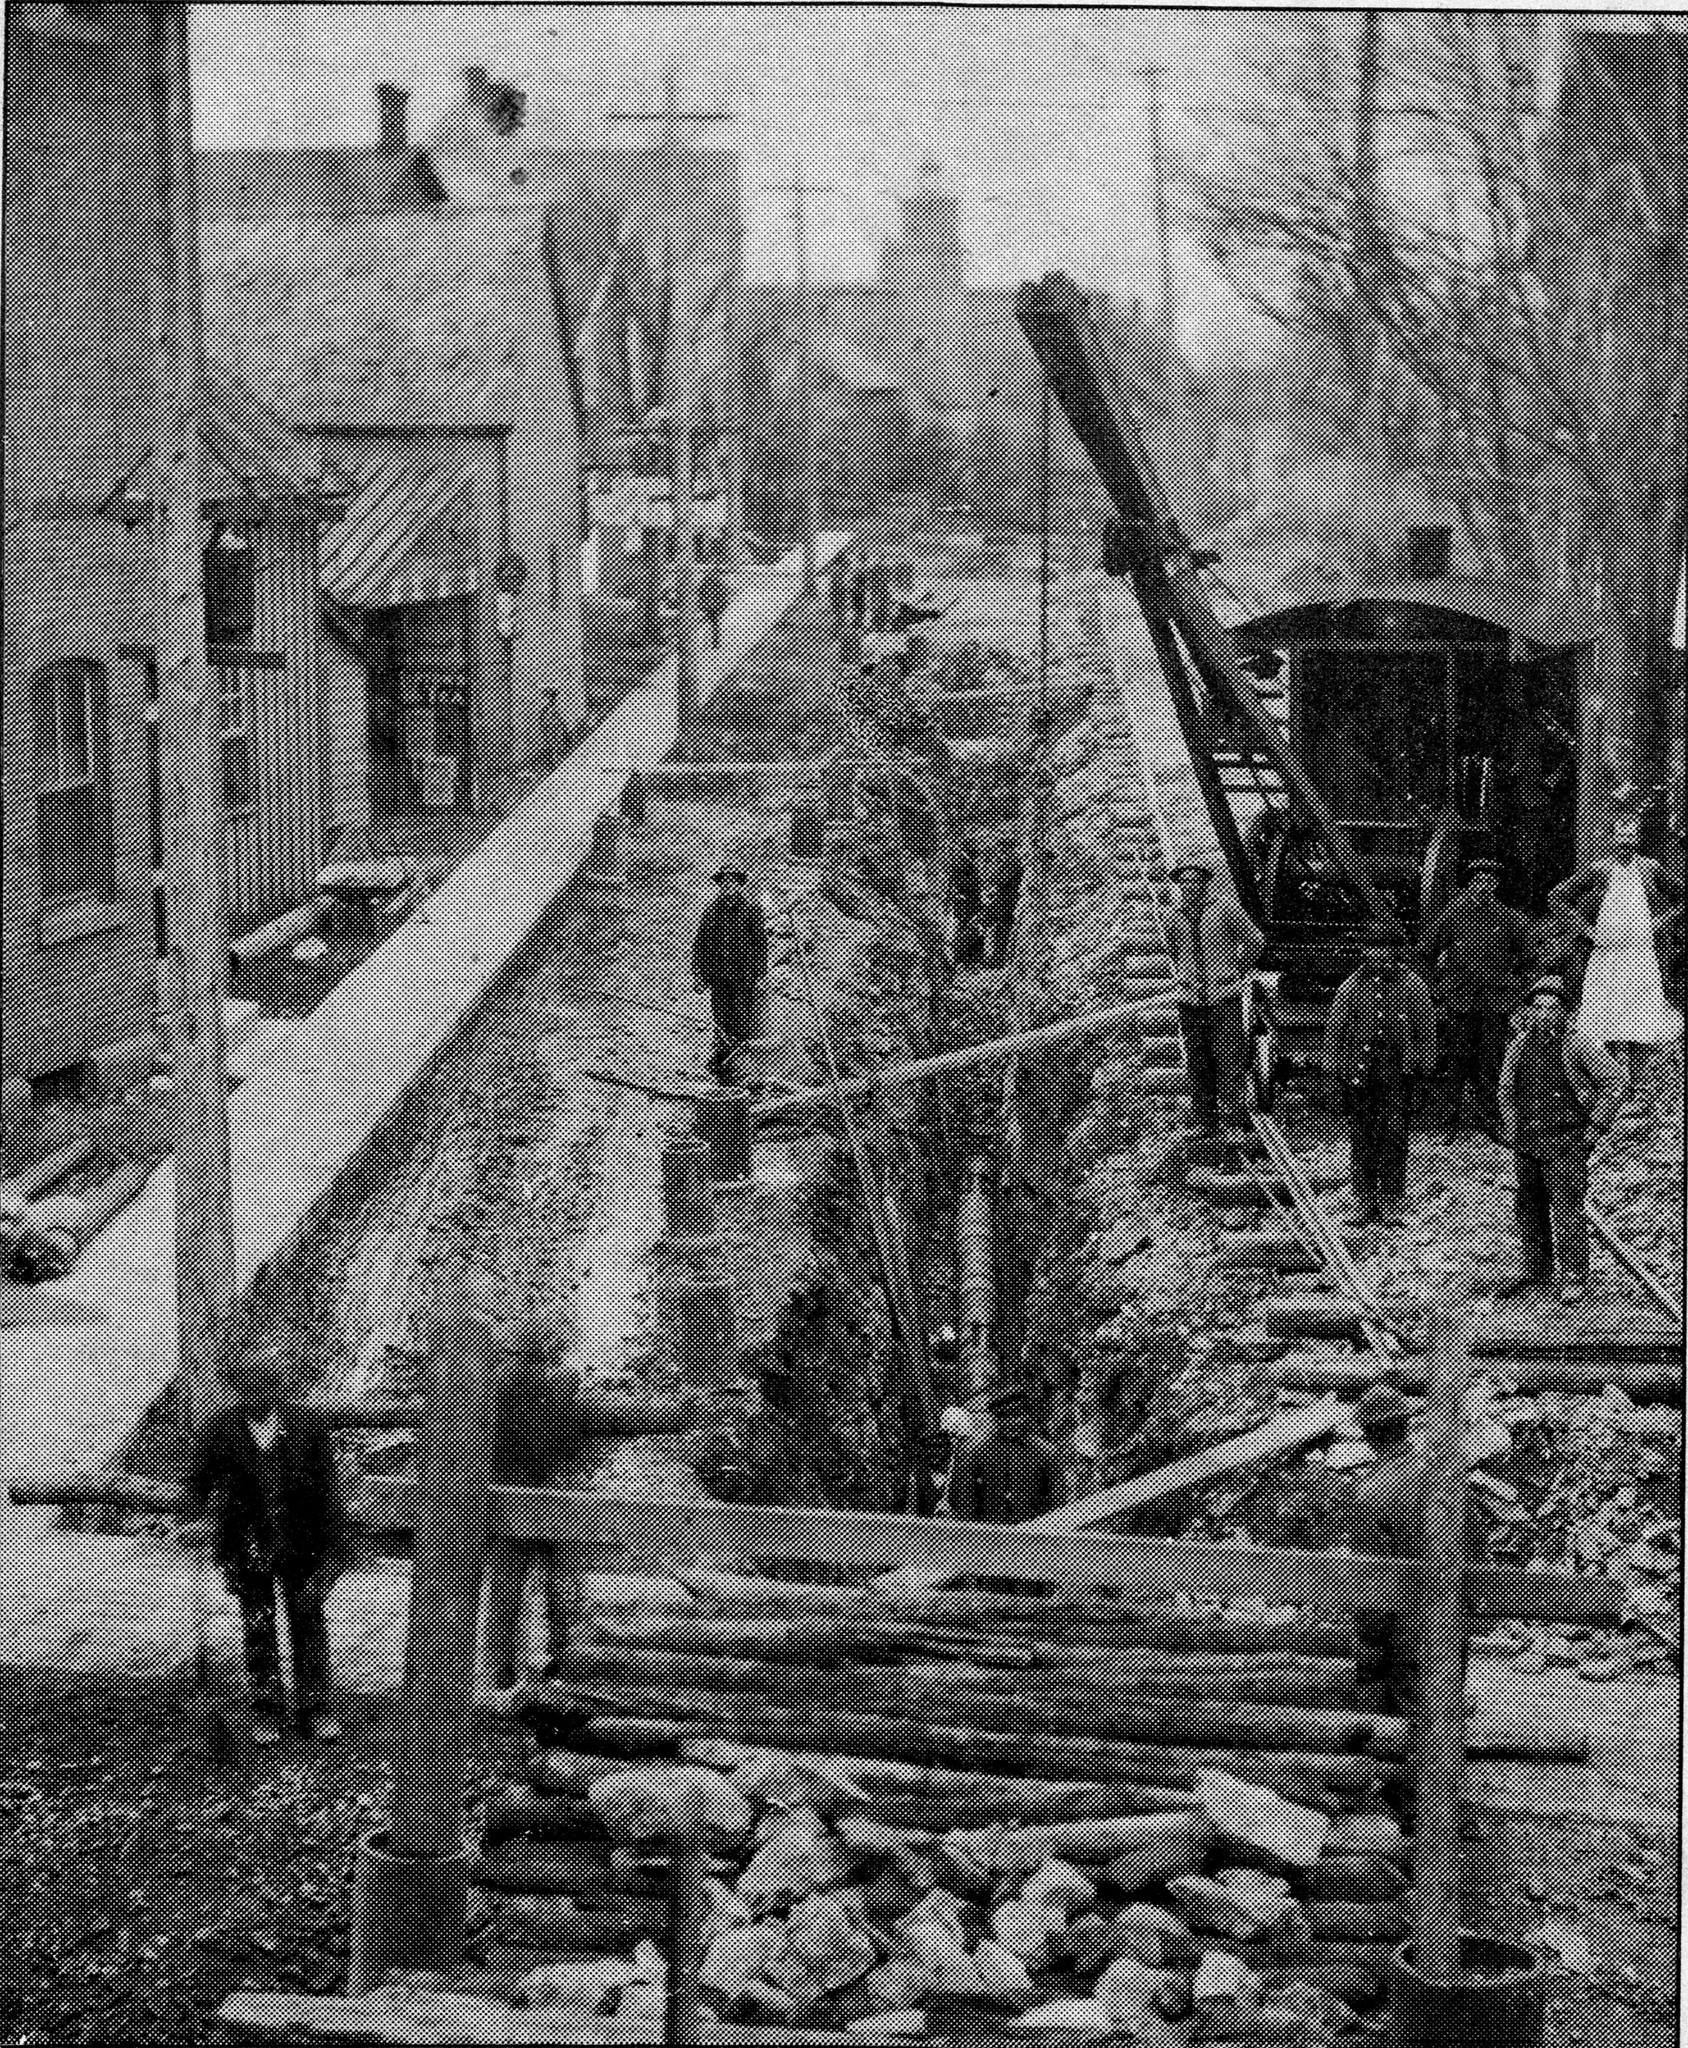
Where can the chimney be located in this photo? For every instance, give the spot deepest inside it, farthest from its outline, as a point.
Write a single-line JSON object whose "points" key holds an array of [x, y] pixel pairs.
{"points": [[393, 105], [1429, 553]]}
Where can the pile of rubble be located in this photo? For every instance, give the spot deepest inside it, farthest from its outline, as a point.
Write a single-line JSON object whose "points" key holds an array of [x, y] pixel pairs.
{"points": [[1231, 1914]]}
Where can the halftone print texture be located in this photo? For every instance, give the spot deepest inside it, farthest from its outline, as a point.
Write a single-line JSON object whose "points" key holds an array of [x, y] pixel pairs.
{"points": [[954, 1030]]}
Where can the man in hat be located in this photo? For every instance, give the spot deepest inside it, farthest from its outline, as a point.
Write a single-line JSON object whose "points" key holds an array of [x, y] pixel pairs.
{"points": [[536, 1435], [1215, 948], [1008, 1474], [1559, 1092], [1379, 1043], [1477, 952], [1383, 1515], [730, 959], [264, 1467]]}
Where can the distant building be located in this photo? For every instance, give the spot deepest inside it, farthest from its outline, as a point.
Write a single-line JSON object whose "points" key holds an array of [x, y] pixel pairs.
{"points": [[83, 819], [394, 302], [922, 270]]}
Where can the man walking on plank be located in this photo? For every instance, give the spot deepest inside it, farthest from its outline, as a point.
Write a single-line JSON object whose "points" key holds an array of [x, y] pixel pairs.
{"points": [[1379, 1043], [1559, 1092], [1478, 954], [1215, 948]]}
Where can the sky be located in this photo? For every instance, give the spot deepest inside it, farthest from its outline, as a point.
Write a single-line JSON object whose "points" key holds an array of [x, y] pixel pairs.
{"points": [[1035, 116]]}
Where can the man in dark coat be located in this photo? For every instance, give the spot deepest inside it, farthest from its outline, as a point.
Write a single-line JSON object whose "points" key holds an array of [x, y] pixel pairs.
{"points": [[265, 1469], [1477, 953], [1008, 1474], [1007, 876], [730, 959], [967, 905], [536, 1435], [1379, 1043], [1383, 1515], [1559, 1092]]}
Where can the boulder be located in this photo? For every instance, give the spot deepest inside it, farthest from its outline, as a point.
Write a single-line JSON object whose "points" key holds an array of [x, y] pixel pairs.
{"points": [[1059, 1884], [1070, 2016], [672, 1802], [1250, 1817], [1154, 1936]]}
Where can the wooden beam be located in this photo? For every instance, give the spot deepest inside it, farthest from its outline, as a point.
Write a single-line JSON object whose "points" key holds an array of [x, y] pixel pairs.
{"points": [[1272, 1440], [415, 2018], [681, 1534], [972, 1055]]}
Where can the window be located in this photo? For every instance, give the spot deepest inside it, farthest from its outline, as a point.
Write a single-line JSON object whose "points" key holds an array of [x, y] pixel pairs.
{"points": [[231, 589], [71, 705], [235, 733]]}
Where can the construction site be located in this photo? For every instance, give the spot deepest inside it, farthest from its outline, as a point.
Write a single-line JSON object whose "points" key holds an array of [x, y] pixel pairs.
{"points": [[956, 1605]]}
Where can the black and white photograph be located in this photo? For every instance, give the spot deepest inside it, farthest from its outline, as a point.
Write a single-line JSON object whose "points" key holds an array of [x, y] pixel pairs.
{"points": [[842, 1024]]}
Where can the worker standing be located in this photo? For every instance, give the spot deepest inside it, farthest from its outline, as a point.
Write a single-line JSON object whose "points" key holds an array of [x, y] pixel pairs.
{"points": [[1008, 1474], [536, 1434], [265, 1467], [730, 960], [1215, 948], [1379, 1043], [1559, 1090], [1478, 953], [1008, 876], [967, 906], [1611, 907]]}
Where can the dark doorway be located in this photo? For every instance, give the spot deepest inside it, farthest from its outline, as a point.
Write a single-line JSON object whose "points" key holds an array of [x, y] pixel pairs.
{"points": [[421, 702]]}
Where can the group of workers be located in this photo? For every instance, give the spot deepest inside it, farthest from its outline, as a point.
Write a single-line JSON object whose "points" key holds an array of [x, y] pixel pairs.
{"points": [[983, 903], [264, 1469], [1546, 1079]]}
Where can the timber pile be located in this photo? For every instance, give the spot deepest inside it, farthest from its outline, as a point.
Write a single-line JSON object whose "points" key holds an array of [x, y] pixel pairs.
{"points": [[963, 1810]]}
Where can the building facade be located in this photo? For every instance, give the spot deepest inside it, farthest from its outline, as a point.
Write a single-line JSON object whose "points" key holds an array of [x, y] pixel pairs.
{"points": [[83, 831]]}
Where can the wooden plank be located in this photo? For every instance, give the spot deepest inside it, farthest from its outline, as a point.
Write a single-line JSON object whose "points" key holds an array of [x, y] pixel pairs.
{"points": [[415, 2018], [1644, 1275], [681, 1534], [1272, 1440], [816, 1099], [1335, 1374]]}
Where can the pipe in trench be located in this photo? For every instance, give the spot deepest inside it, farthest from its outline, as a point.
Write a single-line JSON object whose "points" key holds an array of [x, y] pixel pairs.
{"points": [[975, 1265]]}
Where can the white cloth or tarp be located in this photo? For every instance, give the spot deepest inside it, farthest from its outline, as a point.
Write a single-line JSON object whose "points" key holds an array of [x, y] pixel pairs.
{"points": [[1623, 998]]}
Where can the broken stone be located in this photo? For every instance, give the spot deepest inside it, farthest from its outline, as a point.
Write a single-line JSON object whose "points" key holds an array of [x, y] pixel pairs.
{"points": [[1070, 2015], [585, 1981], [1217, 1909], [1005, 1978], [1024, 1927], [1224, 1979], [1153, 1935], [1254, 1818], [1128, 1987], [672, 1802], [1061, 1885]]}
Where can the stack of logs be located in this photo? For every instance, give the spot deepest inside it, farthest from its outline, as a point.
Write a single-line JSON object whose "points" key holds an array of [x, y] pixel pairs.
{"points": [[1128, 1799]]}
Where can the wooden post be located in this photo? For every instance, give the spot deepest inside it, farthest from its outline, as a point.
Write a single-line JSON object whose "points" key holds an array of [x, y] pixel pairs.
{"points": [[453, 1498], [688, 1911], [1441, 1656], [196, 963]]}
